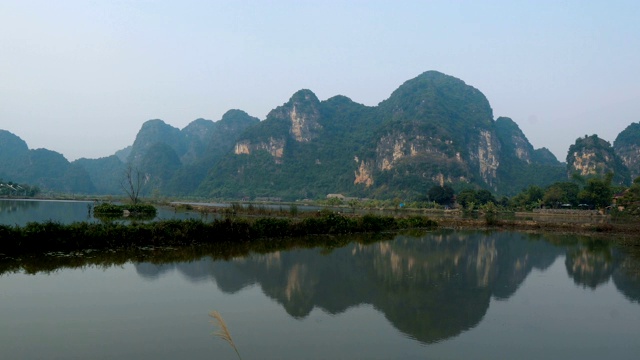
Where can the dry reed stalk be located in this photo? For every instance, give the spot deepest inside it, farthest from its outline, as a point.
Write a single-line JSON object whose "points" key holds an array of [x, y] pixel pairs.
{"points": [[223, 331]]}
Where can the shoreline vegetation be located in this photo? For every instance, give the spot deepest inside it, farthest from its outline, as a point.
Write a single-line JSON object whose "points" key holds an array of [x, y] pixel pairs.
{"points": [[267, 225], [47, 237]]}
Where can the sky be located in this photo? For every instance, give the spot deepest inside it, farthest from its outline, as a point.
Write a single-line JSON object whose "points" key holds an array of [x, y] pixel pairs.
{"points": [[80, 77]]}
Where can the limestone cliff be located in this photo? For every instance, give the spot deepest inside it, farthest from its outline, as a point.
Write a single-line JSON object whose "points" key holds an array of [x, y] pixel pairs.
{"points": [[275, 147], [487, 157]]}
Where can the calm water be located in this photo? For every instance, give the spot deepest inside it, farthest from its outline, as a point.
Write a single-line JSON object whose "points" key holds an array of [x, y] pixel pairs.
{"points": [[441, 295], [19, 212], [445, 295]]}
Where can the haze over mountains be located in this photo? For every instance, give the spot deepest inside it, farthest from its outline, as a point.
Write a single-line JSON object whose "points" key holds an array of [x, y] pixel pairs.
{"points": [[434, 129]]}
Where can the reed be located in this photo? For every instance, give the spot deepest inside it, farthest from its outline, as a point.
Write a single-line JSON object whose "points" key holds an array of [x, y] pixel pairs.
{"points": [[223, 331]]}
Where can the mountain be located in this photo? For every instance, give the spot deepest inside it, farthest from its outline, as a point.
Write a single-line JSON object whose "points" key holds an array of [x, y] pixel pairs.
{"points": [[44, 168], [153, 132], [627, 147], [105, 173], [521, 164], [592, 156], [433, 129], [214, 140]]}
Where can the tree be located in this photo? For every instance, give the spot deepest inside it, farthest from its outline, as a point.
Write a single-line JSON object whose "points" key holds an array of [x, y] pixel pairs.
{"points": [[466, 197], [630, 201], [484, 196], [561, 193], [529, 198], [132, 183], [598, 192], [443, 195]]}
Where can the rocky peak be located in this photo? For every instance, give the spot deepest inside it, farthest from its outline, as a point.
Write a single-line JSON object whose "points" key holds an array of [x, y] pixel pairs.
{"points": [[302, 113], [153, 132], [436, 97], [11, 144], [544, 156], [199, 129], [236, 119]]}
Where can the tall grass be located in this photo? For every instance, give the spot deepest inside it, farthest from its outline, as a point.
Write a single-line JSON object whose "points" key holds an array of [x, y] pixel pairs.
{"points": [[223, 331]]}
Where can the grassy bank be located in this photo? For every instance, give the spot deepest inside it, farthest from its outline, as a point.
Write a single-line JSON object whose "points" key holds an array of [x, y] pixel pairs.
{"points": [[38, 238]]}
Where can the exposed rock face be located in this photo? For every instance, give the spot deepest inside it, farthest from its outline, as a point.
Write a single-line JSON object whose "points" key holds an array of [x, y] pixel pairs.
{"points": [[592, 156], [243, 147], [627, 147], [302, 114], [396, 146], [587, 162], [275, 147], [364, 175], [487, 156]]}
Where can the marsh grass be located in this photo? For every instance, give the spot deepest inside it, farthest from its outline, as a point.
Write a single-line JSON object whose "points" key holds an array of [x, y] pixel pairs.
{"points": [[223, 331]]}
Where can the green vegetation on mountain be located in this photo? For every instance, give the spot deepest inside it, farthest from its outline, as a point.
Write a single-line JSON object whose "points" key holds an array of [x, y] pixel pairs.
{"points": [[214, 140], [154, 132], [522, 166], [46, 169], [105, 173], [544, 156], [432, 130]]}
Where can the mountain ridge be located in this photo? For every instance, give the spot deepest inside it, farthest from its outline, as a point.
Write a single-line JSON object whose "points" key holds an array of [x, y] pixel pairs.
{"points": [[433, 129]]}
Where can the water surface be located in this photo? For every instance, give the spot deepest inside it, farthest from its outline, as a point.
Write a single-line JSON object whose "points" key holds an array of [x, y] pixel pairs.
{"points": [[21, 211], [443, 295]]}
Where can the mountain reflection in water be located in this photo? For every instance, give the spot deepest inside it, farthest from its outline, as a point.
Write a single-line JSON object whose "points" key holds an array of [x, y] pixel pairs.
{"points": [[430, 288]]}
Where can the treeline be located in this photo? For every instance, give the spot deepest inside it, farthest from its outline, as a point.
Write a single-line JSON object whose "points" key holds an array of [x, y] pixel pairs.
{"points": [[38, 238], [580, 193]]}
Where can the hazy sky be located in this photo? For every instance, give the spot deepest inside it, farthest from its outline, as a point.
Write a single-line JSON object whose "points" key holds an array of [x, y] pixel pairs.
{"points": [[81, 77]]}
